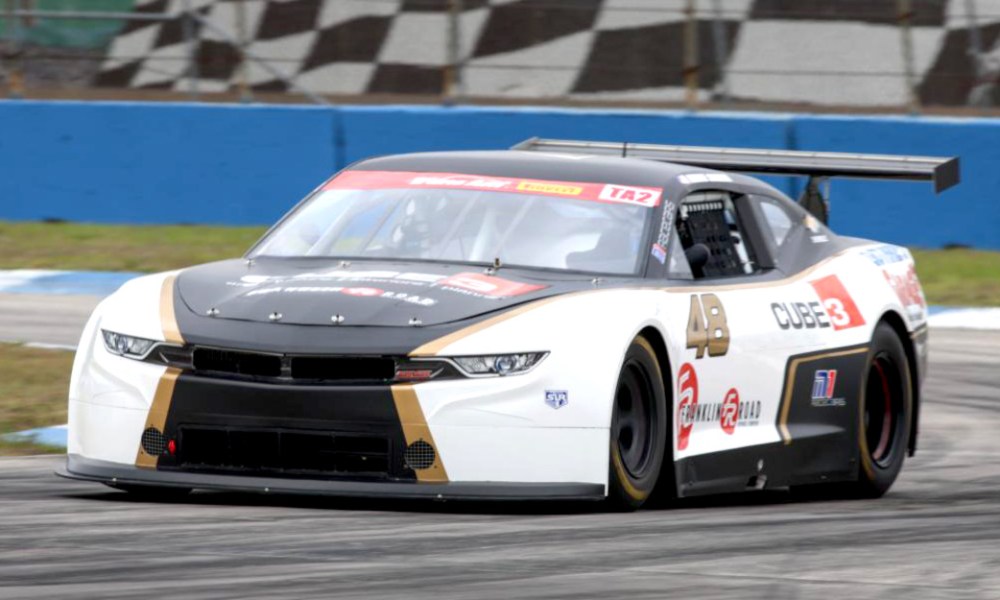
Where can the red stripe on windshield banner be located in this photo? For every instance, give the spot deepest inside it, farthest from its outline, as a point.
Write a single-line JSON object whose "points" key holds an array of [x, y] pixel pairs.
{"points": [[596, 192]]}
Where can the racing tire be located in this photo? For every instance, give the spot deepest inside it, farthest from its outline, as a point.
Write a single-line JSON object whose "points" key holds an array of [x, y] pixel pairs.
{"points": [[885, 410], [638, 428], [151, 492], [885, 413]]}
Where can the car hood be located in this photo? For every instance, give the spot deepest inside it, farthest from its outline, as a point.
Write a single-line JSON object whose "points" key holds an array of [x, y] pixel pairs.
{"points": [[311, 291]]}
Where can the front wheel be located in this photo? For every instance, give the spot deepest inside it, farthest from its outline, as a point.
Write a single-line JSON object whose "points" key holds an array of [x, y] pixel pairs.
{"points": [[638, 428]]}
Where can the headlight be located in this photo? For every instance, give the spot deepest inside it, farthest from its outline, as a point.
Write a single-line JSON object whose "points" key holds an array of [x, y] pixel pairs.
{"points": [[126, 345], [499, 364]]}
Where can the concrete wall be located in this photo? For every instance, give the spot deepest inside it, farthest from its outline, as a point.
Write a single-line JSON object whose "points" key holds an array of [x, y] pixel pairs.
{"points": [[196, 163]]}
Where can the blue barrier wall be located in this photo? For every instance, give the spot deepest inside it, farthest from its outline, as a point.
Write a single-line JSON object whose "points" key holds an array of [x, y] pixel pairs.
{"points": [[232, 164]]}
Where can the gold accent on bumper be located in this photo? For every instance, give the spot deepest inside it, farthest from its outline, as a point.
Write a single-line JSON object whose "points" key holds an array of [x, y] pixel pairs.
{"points": [[157, 416], [415, 428]]}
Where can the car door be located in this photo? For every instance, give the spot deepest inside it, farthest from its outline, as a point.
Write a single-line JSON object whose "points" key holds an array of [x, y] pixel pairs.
{"points": [[739, 318], [816, 312]]}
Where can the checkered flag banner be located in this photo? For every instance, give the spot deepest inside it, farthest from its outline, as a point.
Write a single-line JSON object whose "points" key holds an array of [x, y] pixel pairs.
{"points": [[819, 52]]}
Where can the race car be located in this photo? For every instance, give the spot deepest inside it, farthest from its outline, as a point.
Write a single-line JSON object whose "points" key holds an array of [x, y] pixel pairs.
{"points": [[562, 320]]}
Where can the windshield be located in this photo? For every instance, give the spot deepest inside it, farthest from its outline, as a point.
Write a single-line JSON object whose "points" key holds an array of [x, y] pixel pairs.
{"points": [[468, 218]]}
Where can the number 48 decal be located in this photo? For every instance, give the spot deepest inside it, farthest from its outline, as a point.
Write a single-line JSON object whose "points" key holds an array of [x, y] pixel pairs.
{"points": [[707, 327]]}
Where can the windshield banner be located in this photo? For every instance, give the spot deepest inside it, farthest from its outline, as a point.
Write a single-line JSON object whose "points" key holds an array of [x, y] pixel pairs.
{"points": [[597, 192]]}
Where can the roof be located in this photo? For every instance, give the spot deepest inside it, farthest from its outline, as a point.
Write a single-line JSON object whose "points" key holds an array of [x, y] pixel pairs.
{"points": [[534, 165]]}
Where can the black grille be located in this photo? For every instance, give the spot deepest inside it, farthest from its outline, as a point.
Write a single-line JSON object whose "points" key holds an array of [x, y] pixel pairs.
{"points": [[289, 368], [288, 452], [238, 363], [153, 442], [419, 455], [338, 368]]}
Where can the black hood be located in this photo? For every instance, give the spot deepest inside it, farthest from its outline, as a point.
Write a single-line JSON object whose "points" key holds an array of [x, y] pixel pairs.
{"points": [[363, 293]]}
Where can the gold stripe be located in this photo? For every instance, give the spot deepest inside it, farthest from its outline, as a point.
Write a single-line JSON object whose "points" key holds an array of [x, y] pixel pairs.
{"points": [[432, 347], [786, 401], [168, 320], [157, 416], [793, 278], [415, 428]]}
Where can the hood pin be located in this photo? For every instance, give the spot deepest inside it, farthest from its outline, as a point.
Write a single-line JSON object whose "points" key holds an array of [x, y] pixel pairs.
{"points": [[212, 312], [337, 319], [275, 316]]}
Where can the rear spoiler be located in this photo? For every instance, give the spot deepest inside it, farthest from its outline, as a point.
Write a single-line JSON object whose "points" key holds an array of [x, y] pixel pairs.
{"points": [[818, 166], [943, 172]]}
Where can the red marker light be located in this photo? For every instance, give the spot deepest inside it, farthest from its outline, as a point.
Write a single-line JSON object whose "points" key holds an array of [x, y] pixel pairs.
{"points": [[172, 447], [414, 374]]}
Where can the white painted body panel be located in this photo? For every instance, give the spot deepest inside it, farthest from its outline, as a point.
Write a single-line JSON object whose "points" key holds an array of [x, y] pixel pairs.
{"points": [[500, 429]]}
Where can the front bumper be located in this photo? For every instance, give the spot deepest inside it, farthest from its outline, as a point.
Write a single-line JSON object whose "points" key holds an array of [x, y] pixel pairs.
{"points": [[114, 474]]}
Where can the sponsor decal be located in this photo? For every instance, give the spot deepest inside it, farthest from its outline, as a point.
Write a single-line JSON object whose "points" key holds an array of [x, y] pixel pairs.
{"points": [[648, 197], [824, 384], [839, 305], [666, 224], [707, 326], [556, 398], [339, 276], [687, 391], [549, 188], [886, 254], [730, 411], [414, 374], [908, 290], [659, 253], [800, 315], [729, 414], [597, 192], [487, 286], [835, 308], [692, 178], [468, 284], [365, 292]]}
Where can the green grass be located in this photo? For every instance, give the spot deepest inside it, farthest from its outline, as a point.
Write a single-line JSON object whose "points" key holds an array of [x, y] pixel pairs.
{"points": [[959, 277], [144, 248], [950, 277], [33, 388]]}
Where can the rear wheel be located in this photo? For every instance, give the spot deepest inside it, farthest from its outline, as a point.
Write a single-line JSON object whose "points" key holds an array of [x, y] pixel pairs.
{"points": [[638, 428], [884, 416]]}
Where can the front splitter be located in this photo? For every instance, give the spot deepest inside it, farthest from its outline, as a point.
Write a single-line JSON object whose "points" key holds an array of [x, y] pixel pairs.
{"points": [[116, 474]]}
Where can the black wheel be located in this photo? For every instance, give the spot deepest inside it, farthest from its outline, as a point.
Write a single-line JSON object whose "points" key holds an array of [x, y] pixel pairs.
{"points": [[151, 492], [638, 428], [884, 417]]}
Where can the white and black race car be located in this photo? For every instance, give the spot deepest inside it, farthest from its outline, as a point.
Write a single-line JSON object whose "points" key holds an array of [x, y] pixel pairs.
{"points": [[565, 320]]}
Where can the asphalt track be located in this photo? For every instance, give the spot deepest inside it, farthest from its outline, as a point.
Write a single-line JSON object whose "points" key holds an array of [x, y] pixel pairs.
{"points": [[936, 535]]}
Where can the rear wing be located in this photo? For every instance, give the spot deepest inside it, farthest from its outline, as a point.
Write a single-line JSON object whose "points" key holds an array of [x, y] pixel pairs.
{"points": [[943, 172]]}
